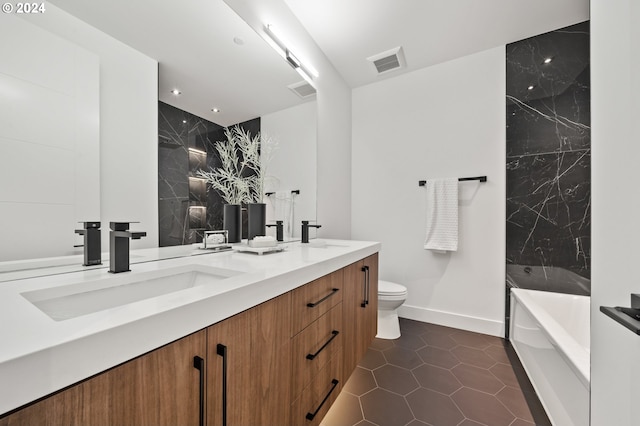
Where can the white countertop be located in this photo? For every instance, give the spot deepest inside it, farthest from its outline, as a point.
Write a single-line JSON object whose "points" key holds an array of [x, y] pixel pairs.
{"points": [[40, 355]]}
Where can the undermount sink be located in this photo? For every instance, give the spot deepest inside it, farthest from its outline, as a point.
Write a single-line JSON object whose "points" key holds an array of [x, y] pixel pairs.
{"points": [[74, 300]]}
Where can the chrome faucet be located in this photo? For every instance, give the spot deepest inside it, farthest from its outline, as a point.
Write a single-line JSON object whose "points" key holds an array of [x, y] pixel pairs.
{"points": [[119, 245], [305, 230], [92, 243]]}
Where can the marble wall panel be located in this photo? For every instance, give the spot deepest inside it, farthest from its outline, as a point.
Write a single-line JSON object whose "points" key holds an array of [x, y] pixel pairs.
{"points": [[548, 159], [186, 144]]}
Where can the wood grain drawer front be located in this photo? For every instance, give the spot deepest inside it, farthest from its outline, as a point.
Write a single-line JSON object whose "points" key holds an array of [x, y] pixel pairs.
{"points": [[314, 346], [314, 299], [317, 397]]}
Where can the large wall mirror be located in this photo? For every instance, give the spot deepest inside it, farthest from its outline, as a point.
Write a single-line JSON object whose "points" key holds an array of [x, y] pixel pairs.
{"points": [[80, 91]]}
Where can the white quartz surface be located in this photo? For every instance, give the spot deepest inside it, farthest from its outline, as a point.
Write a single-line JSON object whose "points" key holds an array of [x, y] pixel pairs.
{"points": [[39, 355]]}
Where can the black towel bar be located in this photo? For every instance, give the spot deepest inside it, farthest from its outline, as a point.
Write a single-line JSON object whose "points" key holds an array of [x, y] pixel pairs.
{"points": [[480, 178]]}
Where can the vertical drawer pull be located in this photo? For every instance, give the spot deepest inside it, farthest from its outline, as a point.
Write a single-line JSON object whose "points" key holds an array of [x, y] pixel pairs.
{"points": [[221, 350], [365, 286], [310, 416], [313, 305], [198, 364], [334, 333]]}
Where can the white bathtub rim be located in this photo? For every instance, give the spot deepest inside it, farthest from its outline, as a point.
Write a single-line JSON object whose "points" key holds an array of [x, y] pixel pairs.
{"points": [[577, 356]]}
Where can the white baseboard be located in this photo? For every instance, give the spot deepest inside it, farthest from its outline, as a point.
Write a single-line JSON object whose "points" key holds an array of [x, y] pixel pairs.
{"points": [[449, 319]]}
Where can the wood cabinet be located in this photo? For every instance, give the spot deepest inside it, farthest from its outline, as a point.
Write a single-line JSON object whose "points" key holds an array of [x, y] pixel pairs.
{"points": [[317, 342], [248, 365], [159, 388], [228, 375], [281, 362], [360, 307], [312, 300]]}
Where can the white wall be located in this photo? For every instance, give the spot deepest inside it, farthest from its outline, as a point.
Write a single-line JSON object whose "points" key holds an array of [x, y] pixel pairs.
{"points": [[49, 141], [292, 166], [128, 125], [334, 114], [615, 67], [447, 120]]}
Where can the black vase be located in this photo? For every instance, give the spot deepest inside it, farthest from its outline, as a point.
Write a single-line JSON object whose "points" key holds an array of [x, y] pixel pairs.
{"points": [[232, 221], [257, 220]]}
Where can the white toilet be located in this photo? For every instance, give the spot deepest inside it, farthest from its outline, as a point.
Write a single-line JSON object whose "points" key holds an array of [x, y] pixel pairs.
{"points": [[390, 297]]}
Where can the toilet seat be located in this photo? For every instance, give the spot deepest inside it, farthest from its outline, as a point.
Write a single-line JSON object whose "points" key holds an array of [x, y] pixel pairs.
{"points": [[388, 288]]}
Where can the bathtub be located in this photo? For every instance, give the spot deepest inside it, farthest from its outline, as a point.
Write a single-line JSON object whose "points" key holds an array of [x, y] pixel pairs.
{"points": [[550, 333]]}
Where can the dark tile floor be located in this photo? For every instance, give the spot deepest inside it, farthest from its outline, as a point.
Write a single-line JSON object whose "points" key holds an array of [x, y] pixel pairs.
{"points": [[438, 376]]}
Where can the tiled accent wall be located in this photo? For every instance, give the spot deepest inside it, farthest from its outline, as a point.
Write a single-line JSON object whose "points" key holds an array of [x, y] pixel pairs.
{"points": [[548, 229], [186, 143]]}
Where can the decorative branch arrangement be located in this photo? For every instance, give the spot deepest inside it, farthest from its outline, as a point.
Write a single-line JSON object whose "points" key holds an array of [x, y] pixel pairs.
{"points": [[244, 166]]}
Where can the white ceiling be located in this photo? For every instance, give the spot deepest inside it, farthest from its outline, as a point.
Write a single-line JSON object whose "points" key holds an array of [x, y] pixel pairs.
{"points": [[429, 31], [193, 42]]}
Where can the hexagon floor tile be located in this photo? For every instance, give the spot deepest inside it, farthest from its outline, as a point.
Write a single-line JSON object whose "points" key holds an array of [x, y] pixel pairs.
{"points": [[438, 376]]}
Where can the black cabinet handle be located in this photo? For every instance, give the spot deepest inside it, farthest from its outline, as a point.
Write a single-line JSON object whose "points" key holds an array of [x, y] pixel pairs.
{"points": [[310, 416], [221, 350], [365, 285], [198, 364], [334, 333], [368, 284], [313, 305]]}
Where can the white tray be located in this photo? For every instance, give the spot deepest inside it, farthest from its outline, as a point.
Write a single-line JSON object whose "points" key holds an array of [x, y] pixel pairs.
{"points": [[258, 250]]}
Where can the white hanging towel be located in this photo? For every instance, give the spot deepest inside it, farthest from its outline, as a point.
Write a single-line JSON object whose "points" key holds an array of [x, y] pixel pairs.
{"points": [[442, 214]]}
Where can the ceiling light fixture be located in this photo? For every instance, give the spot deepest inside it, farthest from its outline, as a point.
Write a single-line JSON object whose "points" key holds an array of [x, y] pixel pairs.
{"points": [[216, 110], [531, 87], [277, 42], [176, 92], [548, 60]]}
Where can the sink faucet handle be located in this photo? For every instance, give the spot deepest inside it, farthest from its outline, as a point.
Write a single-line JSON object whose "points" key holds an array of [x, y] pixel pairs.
{"points": [[120, 226]]}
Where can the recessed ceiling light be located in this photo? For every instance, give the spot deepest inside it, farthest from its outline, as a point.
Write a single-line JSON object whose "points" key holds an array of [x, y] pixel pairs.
{"points": [[238, 40], [176, 92], [184, 121], [531, 87], [216, 110], [547, 60]]}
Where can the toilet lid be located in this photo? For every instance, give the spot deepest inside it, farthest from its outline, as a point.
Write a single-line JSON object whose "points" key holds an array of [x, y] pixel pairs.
{"points": [[389, 288]]}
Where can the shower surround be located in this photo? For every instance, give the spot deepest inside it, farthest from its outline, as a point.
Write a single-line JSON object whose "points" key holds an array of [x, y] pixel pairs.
{"points": [[186, 143], [548, 161]]}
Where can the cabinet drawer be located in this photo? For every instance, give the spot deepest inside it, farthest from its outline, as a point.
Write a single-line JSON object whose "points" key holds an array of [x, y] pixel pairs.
{"points": [[314, 299], [314, 346], [317, 397]]}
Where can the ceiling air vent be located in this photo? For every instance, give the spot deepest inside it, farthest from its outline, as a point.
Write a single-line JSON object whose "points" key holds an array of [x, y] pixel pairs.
{"points": [[303, 89], [388, 61]]}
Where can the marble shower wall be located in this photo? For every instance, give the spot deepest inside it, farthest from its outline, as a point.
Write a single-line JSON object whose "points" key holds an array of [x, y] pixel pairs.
{"points": [[548, 161], [186, 206]]}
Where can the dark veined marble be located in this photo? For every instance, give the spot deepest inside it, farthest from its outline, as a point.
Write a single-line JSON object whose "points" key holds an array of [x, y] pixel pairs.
{"points": [[186, 205], [548, 161]]}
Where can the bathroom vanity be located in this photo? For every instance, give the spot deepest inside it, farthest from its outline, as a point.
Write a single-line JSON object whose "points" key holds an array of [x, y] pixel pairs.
{"points": [[240, 339]]}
